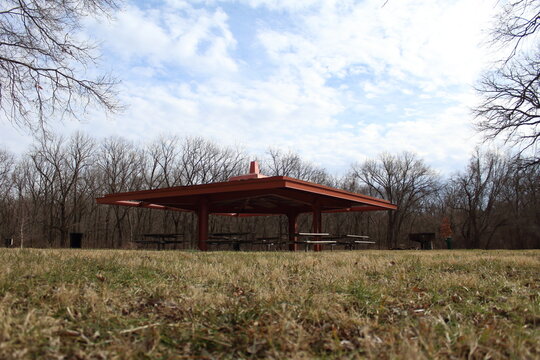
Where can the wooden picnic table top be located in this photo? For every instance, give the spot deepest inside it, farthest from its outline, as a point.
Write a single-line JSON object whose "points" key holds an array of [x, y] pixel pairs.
{"points": [[227, 234], [349, 237], [269, 238], [311, 234], [158, 241], [312, 242], [333, 236], [355, 242], [319, 242], [228, 241], [158, 235]]}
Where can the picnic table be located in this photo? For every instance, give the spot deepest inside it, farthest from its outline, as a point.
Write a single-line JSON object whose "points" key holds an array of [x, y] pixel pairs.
{"points": [[161, 239], [350, 241], [269, 242], [236, 239], [316, 239]]}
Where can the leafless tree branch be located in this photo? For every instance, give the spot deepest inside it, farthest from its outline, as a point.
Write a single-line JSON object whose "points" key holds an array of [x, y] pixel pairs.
{"points": [[44, 65]]}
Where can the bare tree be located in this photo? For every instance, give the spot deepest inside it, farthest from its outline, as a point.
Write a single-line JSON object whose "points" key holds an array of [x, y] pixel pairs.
{"points": [[518, 21], [402, 179], [119, 166], [60, 166], [520, 205], [44, 62], [291, 164], [478, 193], [7, 161], [119, 162], [26, 208], [510, 105], [164, 154], [202, 162]]}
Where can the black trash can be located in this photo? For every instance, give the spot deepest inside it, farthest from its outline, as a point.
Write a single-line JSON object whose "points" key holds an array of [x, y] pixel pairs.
{"points": [[75, 240]]}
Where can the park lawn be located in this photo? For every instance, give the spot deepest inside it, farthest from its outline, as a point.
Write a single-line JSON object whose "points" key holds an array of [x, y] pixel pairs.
{"points": [[107, 304]]}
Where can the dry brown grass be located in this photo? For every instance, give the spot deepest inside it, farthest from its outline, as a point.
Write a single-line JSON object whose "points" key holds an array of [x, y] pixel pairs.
{"points": [[369, 304]]}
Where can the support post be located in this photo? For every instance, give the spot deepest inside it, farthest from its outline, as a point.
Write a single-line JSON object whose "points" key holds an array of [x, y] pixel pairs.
{"points": [[316, 223], [293, 230], [202, 214]]}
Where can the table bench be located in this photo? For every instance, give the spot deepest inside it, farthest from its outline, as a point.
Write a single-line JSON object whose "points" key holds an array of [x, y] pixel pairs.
{"points": [[350, 241], [236, 239], [161, 239]]}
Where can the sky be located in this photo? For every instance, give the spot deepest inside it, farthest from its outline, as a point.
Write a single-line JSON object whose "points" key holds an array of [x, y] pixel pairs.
{"points": [[334, 81]]}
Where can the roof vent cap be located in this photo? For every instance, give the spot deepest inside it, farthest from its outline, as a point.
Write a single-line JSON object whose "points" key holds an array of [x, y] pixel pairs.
{"points": [[254, 173]]}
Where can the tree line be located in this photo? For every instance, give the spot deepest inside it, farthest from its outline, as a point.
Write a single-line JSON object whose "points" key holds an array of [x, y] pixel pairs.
{"points": [[50, 192]]}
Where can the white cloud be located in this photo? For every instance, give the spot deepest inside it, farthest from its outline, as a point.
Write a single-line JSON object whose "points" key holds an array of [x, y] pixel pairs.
{"points": [[437, 42], [342, 82], [281, 5], [173, 37]]}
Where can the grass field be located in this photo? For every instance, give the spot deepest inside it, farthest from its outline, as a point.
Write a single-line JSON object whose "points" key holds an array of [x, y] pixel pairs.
{"points": [[364, 304]]}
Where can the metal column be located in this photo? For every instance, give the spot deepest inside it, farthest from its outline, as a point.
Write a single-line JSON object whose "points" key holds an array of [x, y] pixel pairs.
{"points": [[316, 223], [293, 230], [202, 215]]}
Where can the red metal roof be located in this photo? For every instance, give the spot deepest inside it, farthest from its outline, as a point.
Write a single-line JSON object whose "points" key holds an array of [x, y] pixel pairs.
{"points": [[254, 196]]}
